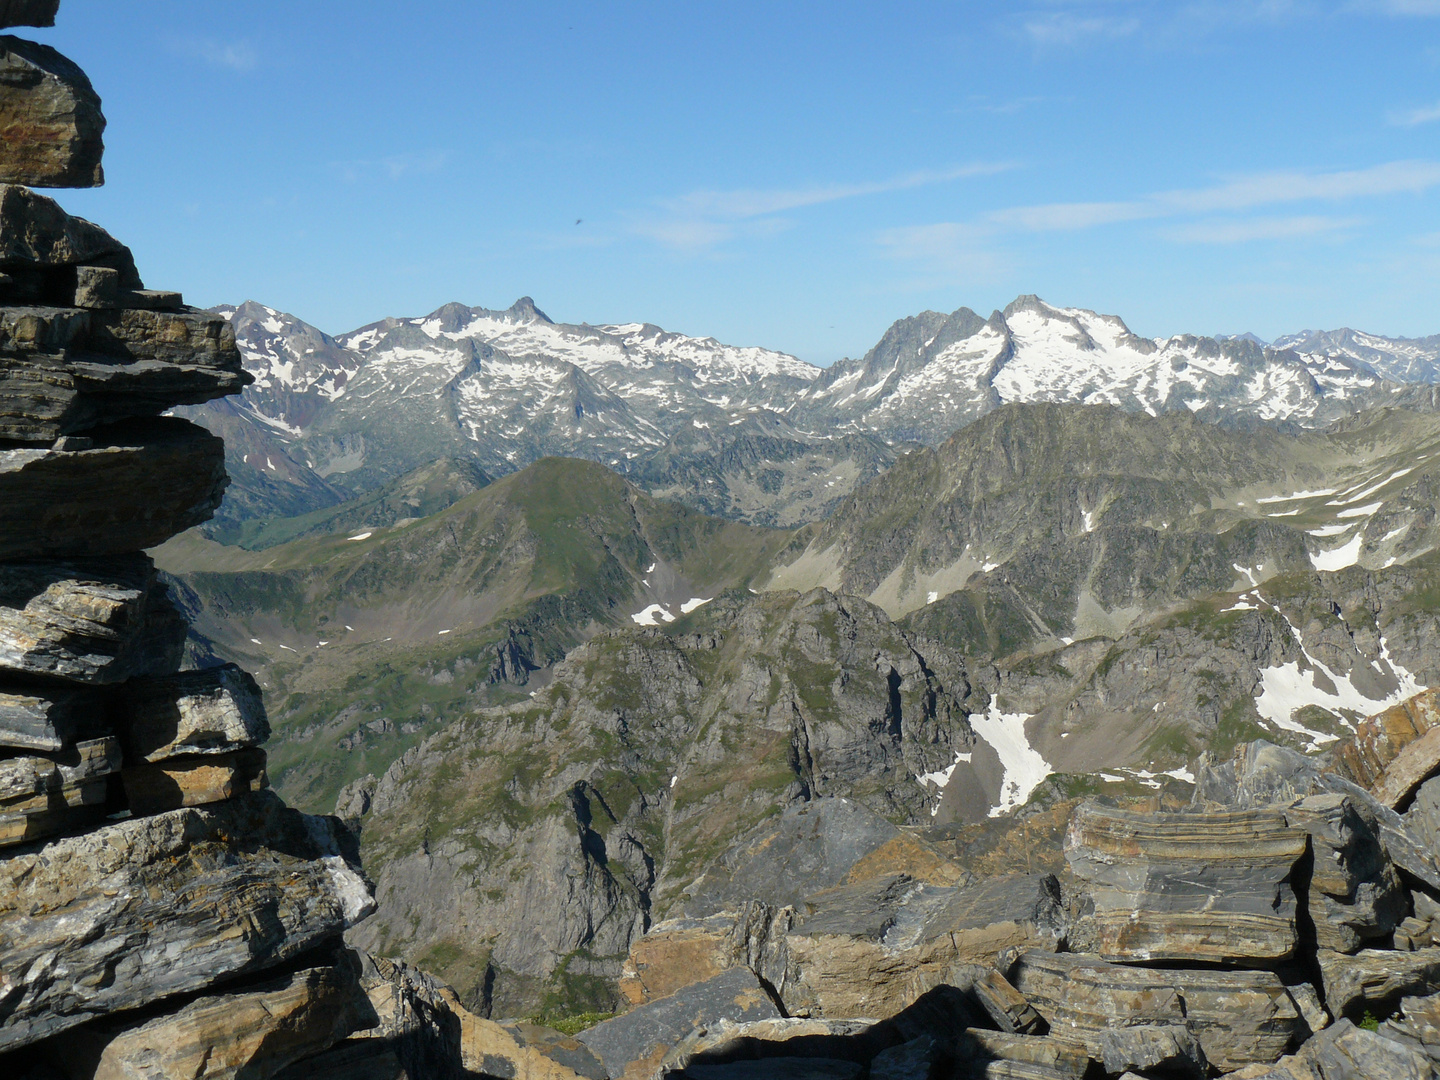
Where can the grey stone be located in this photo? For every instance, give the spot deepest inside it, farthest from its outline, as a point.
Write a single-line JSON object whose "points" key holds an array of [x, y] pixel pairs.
{"points": [[254, 1031], [778, 1068], [979, 1046], [43, 796], [143, 482], [40, 717], [51, 127], [152, 788], [1258, 774], [1346, 1052], [1376, 977], [644, 1035], [1153, 1051], [88, 621], [1187, 887], [1417, 1025], [149, 907], [1240, 1017], [1422, 819], [128, 334], [98, 287], [1406, 850], [1416, 762], [917, 1059], [42, 248], [1354, 893], [28, 12], [1005, 1005], [1307, 1000], [1008, 911], [212, 711]]}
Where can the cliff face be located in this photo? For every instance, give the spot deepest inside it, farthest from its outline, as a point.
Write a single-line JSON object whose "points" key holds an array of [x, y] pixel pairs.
{"points": [[161, 912]]}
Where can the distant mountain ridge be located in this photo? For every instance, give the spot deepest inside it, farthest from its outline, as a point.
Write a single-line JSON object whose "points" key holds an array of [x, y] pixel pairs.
{"points": [[744, 432]]}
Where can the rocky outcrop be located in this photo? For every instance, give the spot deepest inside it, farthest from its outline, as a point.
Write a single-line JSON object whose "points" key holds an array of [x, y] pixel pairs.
{"points": [[161, 914], [50, 121], [1189, 887], [28, 12]]}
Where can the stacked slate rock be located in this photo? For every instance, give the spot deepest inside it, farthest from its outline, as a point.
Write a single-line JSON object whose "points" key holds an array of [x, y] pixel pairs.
{"points": [[161, 913]]}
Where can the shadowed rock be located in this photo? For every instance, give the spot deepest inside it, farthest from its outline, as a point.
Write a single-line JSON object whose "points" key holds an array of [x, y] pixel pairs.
{"points": [[42, 796], [28, 12], [253, 1031], [1377, 978], [132, 486], [142, 909], [194, 781], [88, 621], [213, 711], [1417, 1025], [1153, 1051], [38, 717], [1239, 1017], [1187, 886], [41, 247], [1416, 762], [50, 122]]}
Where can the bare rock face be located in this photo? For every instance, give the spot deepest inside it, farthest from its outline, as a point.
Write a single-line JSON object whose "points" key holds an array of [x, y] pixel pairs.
{"points": [[1417, 1025], [213, 711], [1239, 1017], [87, 621], [633, 1045], [1346, 1052], [1188, 887], [128, 487], [142, 909], [28, 12], [41, 246], [50, 120], [1354, 893], [1376, 978], [1416, 762], [153, 788], [255, 1031], [42, 796], [1153, 1051], [49, 718]]}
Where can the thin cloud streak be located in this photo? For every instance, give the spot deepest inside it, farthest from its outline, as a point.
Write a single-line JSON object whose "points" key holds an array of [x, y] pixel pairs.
{"points": [[1415, 117], [238, 55], [1244, 232]]}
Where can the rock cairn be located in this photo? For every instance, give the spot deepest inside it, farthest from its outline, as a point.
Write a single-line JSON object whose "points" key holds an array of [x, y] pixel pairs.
{"points": [[161, 913]]}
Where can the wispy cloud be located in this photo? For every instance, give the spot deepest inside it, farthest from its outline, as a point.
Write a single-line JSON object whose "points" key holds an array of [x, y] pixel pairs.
{"points": [[1067, 29], [236, 55], [1426, 114], [1244, 232], [392, 167], [1399, 7], [706, 218]]}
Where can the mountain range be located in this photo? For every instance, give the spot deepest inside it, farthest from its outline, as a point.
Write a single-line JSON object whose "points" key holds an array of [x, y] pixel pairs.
{"points": [[746, 433]]}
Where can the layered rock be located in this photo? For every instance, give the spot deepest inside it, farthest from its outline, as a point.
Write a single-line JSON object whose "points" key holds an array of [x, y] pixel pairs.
{"points": [[161, 914], [50, 121]]}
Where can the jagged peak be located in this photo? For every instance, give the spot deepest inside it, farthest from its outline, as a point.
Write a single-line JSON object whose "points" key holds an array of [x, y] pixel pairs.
{"points": [[525, 310]]}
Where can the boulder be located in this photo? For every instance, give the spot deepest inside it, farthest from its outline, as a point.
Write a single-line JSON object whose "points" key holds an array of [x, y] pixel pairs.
{"points": [[42, 247], [51, 127], [252, 1031], [1153, 1051], [1380, 738], [1412, 934], [1377, 979], [132, 486], [1406, 849], [1346, 1052], [633, 1045], [194, 781], [918, 1059], [127, 335], [95, 621], [1005, 1005], [213, 711], [146, 908], [1354, 894], [1257, 774], [42, 796], [39, 717], [726, 1040], [1239, 1017], [1211, 887], [1000, 914], [977, 1046], [1422, 819], [816, 845], [678, 952], [28, 12], [1416, 762], [1417, 1024]]}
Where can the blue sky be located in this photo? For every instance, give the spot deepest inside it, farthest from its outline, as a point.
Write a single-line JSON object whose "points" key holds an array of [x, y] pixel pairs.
{"points": [[792, 175]]}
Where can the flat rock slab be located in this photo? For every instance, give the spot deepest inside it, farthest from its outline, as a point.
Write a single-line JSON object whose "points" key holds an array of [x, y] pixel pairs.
{"points": [[213, 711], [1377, 977], [981, 1045], [143, 909], [1153, 1051], [184, 336], [1240, 1017], [1355, 894], [1346, 1052], [141, 483], [1009, 911], [634, 1044], [1379, 738], [1212, 887], [96, 621], [194, 781], [51, 127], [49, 718], [28, 12], [251, 1032], [39, 240]]}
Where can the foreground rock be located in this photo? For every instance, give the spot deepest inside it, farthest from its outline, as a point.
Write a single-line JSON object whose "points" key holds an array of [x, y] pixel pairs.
{"points": [[142, 909], [48, 718], [28, 12], [1188, 887], [87, 621], [1378, 979], [120, 489], [1239, 1017], [213, 711], [255, 1031], [50, 120], [42, 796], [1346, 1052]]}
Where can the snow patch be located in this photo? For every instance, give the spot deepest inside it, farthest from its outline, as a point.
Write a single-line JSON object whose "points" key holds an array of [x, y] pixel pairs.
{"points": [[652, 615], [360, 536], [1347, 554], [1025, 768], [693, 603]]}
